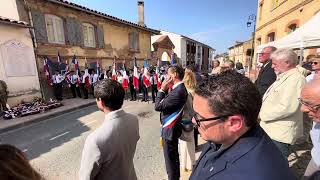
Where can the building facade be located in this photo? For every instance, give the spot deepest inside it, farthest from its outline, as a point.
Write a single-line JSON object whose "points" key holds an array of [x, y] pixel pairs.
{"points": [[70, 29], [17, 59], [191, 52], [241, 52], [278, 18]]}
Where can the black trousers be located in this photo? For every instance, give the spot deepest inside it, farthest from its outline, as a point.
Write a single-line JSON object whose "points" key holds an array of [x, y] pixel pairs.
{"points": [[133, 93], [145, 93], [84, 91], [3, 103], [75, 91], [57, 91], [171, 157], [154, 91]]}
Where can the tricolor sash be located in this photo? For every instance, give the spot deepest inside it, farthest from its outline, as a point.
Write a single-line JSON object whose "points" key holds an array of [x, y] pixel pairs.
{"points": [[172, 119]]}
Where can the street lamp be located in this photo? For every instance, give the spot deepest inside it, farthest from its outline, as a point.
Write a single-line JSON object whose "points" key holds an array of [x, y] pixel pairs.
{"points": [[252, 20]]}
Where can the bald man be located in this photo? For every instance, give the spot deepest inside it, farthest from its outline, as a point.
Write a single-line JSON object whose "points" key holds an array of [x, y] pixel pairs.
{"points": [[310, 101]]}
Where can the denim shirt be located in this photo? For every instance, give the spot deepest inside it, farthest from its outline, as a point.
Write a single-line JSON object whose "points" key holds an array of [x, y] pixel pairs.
{"points": [[315, 137]]}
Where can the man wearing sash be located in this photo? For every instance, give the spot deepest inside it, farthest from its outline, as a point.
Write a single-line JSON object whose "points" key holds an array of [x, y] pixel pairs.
{"points": [[170, 105]]}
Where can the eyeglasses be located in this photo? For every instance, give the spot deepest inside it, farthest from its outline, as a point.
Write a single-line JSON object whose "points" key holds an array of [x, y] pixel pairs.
{"points": [[263, 53], [315, 62], [199, 119], [309, 106]]}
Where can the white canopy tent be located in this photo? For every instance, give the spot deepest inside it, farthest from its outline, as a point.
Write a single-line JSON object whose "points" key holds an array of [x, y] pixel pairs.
{"points": [[307, 36]]}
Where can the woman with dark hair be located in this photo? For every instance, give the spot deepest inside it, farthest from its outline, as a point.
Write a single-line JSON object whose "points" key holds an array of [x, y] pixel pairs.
{"points": [[14, 165]]}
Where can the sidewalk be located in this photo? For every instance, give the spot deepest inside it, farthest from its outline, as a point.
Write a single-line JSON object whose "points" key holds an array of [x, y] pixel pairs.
{"points": [[68, 105]]}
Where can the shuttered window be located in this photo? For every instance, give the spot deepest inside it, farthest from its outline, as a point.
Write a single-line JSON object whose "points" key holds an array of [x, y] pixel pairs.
{"points": [[134, 41], [89, 37], [55, 29]]}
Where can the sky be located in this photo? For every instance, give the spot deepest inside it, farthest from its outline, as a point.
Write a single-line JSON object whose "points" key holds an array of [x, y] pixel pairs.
{"points": [[218, 23]]}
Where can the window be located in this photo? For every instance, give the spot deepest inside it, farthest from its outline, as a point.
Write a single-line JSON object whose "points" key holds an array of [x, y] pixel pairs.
{"points": [[259, 41], [89, 37], [134, 41], [260, 10], [292, 28], [271, 37], [55, 29]]}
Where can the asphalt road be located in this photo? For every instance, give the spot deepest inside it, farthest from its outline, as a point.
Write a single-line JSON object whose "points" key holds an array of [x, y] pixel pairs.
{"points": [[54, 146]]}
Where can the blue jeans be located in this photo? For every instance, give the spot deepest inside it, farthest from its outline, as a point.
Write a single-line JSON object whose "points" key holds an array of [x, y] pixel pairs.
{"points": [[284, 148]]}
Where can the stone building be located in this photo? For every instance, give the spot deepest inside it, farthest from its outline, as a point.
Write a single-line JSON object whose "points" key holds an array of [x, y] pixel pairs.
{"points": [[241, 52], [17, 60], [278, 18], [70, 29], [162, 48], [191, 52]]}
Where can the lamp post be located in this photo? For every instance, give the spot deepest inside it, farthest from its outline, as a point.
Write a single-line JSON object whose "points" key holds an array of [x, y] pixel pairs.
{"points": [[252, 20]]}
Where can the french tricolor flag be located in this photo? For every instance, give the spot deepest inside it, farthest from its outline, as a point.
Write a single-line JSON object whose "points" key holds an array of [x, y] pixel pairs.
{"points": [[114, 74], [146, 77], [158, 75], [125, 78], [135, 75]]}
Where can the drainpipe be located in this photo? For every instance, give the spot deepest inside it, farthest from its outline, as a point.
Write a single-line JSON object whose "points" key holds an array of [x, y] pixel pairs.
{"points": [[34, 42]]}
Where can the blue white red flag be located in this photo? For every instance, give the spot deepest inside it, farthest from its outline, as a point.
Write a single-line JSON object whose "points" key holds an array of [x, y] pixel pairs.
{"points": [[135, 75], [114, 74]]}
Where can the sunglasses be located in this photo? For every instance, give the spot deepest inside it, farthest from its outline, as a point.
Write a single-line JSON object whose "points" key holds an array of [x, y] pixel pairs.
{"points": [[198, 119], [309, 106], [315, 63]]}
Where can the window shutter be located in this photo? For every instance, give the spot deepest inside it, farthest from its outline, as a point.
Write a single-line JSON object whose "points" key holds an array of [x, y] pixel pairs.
{"points": [[39, 24], [79, 33], [131, 40], [100, 37], [137, 41], [71, 31]]}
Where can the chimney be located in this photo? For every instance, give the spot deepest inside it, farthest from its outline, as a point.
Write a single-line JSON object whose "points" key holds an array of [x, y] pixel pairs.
{"points": [[141, 12]]}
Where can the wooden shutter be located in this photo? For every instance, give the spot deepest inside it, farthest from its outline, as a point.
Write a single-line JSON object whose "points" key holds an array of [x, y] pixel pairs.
{"points": [[100, 37], [39, 24], [71, 31], [131, 40]]}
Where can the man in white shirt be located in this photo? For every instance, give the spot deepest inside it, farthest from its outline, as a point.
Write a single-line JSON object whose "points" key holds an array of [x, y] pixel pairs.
{"points": [[57, 79], [74, 84], [94, 79]]}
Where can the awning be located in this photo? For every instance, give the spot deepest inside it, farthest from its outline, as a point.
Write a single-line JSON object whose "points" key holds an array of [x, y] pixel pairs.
{"points": [[307, 36]]}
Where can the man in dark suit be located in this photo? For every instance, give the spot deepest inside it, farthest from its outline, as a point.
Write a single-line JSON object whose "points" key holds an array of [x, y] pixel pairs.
{"points": [[226, 112], [170, 105], [266, 75], [132, 89]]}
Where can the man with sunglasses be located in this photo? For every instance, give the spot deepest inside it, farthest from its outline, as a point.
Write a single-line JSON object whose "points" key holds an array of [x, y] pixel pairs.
{"points": [[266, 74], [226, 112], [310, 101], [171, 104], [315, 64]]}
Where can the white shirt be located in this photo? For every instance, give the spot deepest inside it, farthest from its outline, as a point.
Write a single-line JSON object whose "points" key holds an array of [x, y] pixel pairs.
{"points": [[74, 79], [177, 84], [95, 78], [57, 79]]}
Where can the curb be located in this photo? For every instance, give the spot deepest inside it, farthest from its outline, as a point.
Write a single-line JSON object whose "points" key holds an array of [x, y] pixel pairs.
{"points": [[44, 117]]}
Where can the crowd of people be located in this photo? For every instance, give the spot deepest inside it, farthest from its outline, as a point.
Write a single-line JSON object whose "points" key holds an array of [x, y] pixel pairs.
{"points": [[249, 126]]}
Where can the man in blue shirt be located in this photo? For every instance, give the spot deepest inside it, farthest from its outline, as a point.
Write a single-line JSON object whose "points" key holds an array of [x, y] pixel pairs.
{"points": [[226, 111], [310, 101]]}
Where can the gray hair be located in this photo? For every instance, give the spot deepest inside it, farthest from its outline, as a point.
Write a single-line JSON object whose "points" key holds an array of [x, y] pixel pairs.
{"points": [[287, 55]]}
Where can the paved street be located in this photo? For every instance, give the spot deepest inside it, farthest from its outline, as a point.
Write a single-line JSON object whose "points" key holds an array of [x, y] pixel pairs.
{"points": [[54, 146]]}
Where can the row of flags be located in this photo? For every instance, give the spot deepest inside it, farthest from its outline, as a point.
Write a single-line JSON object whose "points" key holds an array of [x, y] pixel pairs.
{"points": [[86, 76]]}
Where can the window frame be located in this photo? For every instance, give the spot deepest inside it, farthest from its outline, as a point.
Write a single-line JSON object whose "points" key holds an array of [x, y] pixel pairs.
{"points": [[134, 41], [290, 30], [89, 38], [274, 36], [55, 34]]}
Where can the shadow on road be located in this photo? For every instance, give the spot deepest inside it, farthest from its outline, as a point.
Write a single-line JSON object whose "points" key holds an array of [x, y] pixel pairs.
{"points": [[40, 138]]}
